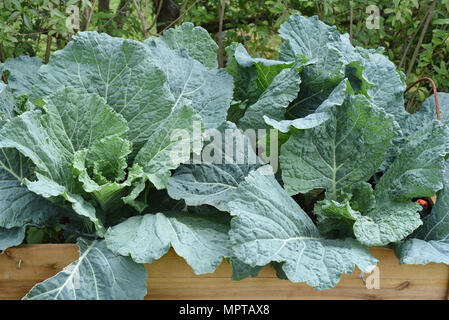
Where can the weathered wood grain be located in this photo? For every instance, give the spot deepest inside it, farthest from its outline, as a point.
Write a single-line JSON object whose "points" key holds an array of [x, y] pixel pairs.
{"points": [[171, 278]]}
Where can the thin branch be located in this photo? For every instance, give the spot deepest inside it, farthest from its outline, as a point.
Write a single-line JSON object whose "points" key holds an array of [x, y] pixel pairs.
{"points": [[411, 101], [318, 10], [179, 18], [2, 53], [59, 42], [346, 12], [220, 35], [184, 5], [85, 15], [243, 35], [18, 34], [48, 49], [404, 55], [286, 6], [421, 38], [119, 11], [159, 7], [90, 15], [351, 21], [142, 19], [38, 42]]}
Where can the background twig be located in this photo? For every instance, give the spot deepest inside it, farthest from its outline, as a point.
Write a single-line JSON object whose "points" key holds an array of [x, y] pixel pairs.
{"points": [[180, 17], [404, 55], [351, 21], [90, 15], [421, 38], [119, 11], [286, 6], [161, 2], [318, 10], [2, 53], [184, 5], [47, 49], [142, 18], [220, 35]]}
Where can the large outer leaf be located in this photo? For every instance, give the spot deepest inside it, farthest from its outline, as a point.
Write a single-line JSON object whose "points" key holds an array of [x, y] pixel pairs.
{"points": [[436, 224], [195, 40], [11, 237], [246, 90], [409, 123], [201, 239], [241, 270], [387, 86], [118, 70], [210, 90], [416, 172], [321, 115], [98, 274], [429, 106], [312, 39], [270, 226], [430, 243], [156, 157], [369, 71], [418, 168], [7, 102], [22, 73], [417, 251], [73, 119], [273, 101], [384, 86], [213, 183], [266, 69], [335, 219], [388, 222], [18, 205], [246, 61], [347, 148], [76, 119], [252, 77]]}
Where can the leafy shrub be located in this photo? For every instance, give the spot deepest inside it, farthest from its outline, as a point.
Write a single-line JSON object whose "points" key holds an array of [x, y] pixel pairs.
{"points": [[87, 147]]}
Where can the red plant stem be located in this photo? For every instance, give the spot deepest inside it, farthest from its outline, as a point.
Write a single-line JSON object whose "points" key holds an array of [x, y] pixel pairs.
{"points": [[434, 88]]}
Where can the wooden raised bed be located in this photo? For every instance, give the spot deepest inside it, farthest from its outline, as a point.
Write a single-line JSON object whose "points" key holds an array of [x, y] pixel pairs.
{"points": [[171, 278]]}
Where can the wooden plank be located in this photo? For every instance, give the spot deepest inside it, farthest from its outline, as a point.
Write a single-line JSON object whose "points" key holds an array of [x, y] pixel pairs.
{"points": [[37, 263], [171, 278]]}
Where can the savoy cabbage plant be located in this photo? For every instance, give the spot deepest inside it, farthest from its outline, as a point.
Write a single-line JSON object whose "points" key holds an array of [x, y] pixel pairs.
{"points": [[86, 147]]}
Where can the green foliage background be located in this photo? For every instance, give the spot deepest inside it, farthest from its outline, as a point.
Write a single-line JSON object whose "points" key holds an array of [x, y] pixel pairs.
{"points": [[38, 27]]}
